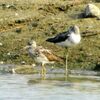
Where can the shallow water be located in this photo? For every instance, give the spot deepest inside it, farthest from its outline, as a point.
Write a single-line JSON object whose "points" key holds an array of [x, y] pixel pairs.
{"points": [[20, 87]]}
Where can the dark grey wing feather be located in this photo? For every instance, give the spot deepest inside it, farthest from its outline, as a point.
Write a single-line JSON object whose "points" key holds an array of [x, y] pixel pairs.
{"points": [[59, 38]]}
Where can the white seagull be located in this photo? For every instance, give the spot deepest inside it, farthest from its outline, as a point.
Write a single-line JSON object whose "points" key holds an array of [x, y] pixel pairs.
{"points": [[42, 55], [67, 39]]}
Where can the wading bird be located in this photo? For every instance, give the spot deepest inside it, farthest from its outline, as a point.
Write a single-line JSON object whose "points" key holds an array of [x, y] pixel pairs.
{"points": [[42, 56], [67, 39]]}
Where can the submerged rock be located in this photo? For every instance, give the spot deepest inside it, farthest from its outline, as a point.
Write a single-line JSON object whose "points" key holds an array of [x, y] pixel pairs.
{"points": [[23, 62], [24, 69], [1, 62], [92, 11]]}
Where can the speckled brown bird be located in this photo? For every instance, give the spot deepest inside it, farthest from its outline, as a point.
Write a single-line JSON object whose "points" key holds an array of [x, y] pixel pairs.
{"points": [[42, 55]]}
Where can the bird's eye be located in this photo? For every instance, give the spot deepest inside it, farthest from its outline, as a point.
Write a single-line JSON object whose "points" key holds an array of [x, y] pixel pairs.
{"points": [[36, 54]]}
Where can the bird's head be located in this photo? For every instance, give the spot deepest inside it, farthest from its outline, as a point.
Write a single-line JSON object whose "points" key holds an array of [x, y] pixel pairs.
{"points": [[31, 44], [74, 29]]}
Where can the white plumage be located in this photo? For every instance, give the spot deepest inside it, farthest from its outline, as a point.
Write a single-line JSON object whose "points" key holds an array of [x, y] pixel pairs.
{"points": [[71, 41]]}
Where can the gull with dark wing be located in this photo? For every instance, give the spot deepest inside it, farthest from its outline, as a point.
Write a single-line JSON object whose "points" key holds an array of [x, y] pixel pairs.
{"points": [[67, 39], [42, 55]]}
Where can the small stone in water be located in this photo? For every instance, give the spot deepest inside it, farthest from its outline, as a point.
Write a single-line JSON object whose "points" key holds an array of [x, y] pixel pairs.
{"points": [[1, 44], [23, 62]]}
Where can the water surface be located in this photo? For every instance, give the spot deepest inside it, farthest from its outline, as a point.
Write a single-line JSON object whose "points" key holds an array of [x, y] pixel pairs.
{"points": [[19, 87]]}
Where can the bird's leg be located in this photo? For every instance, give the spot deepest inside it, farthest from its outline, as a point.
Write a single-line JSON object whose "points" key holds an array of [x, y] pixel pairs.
{"points": [[66, 63], [43, 72], [66, 68]]}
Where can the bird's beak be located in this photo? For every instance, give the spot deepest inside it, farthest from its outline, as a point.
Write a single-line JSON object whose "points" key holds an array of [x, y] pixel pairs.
{"points": [[26, 47]]}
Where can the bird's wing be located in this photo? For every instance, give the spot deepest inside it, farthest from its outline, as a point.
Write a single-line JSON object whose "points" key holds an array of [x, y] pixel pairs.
{"points": [[59, 38], [51, 57]]}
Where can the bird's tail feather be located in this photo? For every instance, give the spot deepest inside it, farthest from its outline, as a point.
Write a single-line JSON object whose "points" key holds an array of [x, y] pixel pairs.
{"points": [[61, 59], [50, 40]]}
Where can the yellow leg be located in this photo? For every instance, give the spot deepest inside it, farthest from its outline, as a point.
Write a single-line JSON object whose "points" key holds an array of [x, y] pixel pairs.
{"points": [[66, 63], [43, 71], [66, 66]]}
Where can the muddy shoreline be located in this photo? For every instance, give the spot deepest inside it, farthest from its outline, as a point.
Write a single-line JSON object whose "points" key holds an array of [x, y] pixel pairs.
{"points": [[28, 69]]}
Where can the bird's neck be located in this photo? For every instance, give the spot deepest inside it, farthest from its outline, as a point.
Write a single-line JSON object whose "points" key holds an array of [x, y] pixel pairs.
{"points": [[33, 46]]}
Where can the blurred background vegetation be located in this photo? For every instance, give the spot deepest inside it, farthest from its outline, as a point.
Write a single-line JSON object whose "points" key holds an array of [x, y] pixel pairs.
{"points": [[22, 20]]}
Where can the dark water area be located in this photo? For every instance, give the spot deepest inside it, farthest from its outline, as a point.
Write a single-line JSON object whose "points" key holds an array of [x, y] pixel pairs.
{"points": [[30, 87]]}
